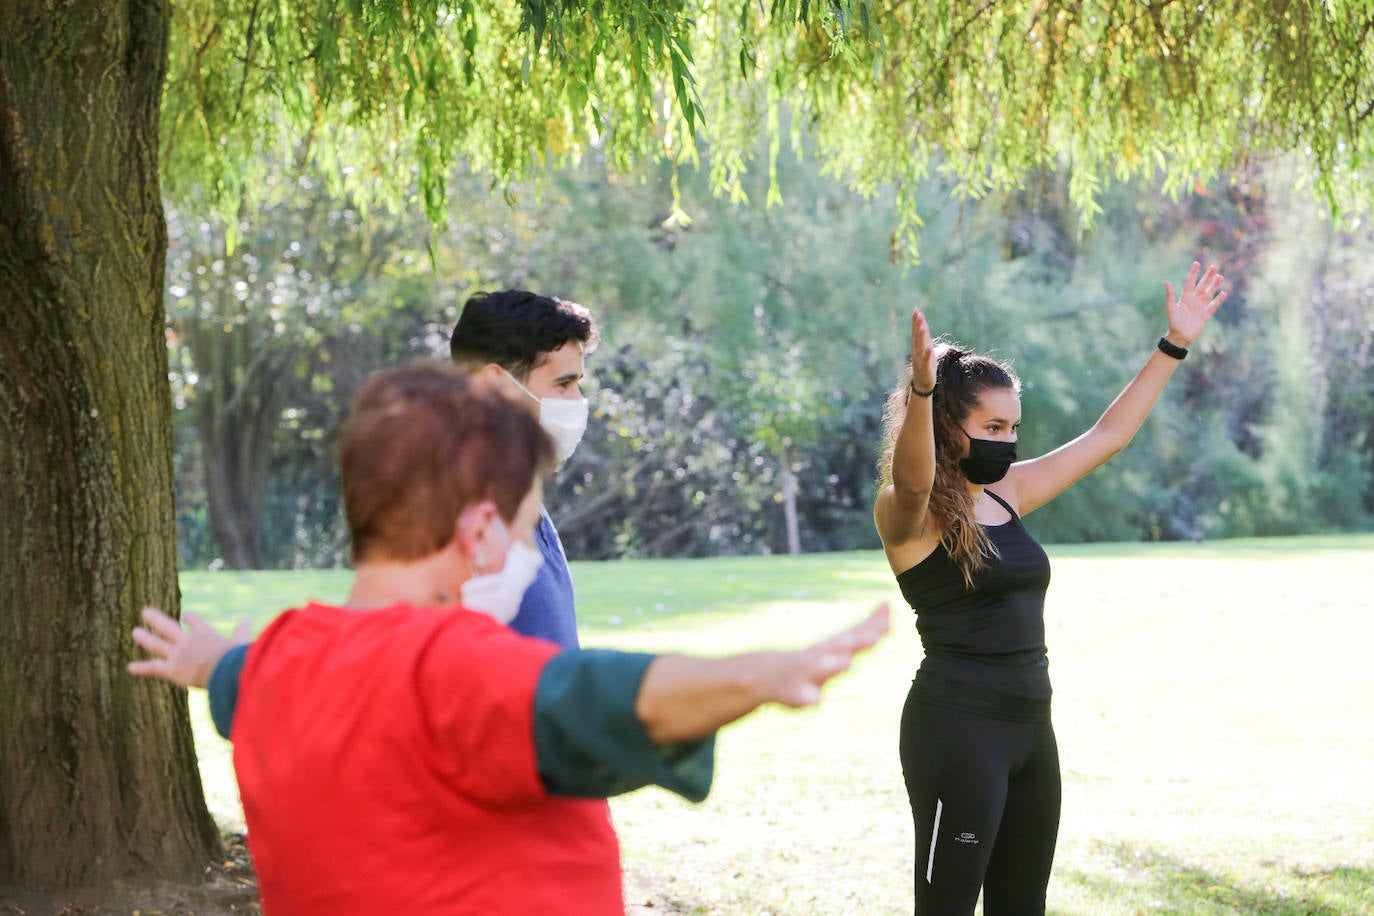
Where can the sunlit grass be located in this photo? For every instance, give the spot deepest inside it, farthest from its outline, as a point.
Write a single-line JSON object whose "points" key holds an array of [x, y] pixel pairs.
{"points": [[1212, 706]]}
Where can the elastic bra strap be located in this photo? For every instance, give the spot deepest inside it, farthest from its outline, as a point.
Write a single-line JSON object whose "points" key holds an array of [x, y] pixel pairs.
{"points": [[1001, 502]]}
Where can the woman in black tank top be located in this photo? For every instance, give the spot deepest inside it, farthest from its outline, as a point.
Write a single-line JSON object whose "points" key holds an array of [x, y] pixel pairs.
{"points": [[977, 746]]}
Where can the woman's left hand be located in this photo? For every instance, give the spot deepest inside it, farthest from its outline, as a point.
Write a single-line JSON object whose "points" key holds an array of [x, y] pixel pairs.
{"points": [[1190, 312]]}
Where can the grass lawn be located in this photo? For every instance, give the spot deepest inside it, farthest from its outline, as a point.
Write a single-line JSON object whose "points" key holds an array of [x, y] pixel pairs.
{"points": [[1213, 708]]}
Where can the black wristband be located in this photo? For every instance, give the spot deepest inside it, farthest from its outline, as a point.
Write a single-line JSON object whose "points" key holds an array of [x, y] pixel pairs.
{"points": [[918, 392], [1172, 349]]}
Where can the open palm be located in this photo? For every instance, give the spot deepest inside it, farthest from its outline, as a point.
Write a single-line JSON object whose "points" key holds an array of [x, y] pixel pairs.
{"points": [[1190, 312]]}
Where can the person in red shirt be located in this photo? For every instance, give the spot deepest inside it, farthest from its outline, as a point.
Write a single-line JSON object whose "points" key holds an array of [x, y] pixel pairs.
{"points": [[408, 752]]}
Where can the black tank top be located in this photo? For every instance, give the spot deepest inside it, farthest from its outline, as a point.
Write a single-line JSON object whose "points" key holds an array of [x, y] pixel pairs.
{"points": [[985, 645]]}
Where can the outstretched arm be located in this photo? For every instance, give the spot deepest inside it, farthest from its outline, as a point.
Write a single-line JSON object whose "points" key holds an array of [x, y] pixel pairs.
{"points": [[1037, 481], [900, 510], [683, 698], [604, 722]]}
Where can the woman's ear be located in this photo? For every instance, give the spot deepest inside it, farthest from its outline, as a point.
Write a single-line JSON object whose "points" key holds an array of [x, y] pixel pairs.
{"points": [[470, 532]]}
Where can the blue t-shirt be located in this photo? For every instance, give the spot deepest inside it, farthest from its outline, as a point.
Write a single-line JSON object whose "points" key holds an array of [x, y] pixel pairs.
{"points": [[548, 610]]}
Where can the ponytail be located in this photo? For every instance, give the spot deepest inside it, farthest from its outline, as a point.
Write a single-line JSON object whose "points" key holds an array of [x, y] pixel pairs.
{"points": [[961, 377]]}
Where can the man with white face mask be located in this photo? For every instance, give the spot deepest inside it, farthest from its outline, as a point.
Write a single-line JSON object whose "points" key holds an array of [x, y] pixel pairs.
{"points": [[535, 344]]}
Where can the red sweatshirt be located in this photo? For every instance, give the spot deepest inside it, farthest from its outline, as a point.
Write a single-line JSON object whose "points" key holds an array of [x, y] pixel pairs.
{"points": [[386, 762]]}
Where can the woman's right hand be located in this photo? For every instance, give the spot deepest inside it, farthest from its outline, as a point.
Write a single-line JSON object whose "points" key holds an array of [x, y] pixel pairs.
{"points": [[922, 353], [184, 656]]}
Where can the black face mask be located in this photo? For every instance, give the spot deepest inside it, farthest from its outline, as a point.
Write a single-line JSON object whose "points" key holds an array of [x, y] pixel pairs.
{"points": [[988, 459]]}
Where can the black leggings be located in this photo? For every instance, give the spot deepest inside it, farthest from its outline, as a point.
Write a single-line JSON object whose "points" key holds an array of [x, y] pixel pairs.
{"points": [[985, 795]]}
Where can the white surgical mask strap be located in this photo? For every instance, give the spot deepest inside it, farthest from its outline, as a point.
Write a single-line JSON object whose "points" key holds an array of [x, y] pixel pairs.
{"points": [[505, 532], [520, 386], [499, 594]]}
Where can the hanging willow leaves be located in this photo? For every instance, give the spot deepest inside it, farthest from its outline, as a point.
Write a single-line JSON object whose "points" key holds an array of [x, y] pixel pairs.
{"points": [[986, 92]]}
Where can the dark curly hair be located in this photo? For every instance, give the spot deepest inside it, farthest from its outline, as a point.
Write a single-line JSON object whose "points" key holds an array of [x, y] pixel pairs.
{"points": [[961, 377], [514, 328]]}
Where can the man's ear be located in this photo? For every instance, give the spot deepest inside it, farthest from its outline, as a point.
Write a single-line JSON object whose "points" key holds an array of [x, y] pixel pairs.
{"points": [[492, 372]]}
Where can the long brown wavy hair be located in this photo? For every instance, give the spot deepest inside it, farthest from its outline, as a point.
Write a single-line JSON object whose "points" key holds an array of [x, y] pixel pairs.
{"points": [[961, 377]]}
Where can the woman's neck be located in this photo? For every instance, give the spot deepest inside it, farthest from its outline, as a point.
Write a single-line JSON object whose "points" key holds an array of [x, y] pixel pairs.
{"points": [[431, 581]]}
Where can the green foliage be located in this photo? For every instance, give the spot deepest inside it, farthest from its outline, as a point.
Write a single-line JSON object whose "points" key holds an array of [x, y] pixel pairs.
{"points": [[986, 94], [267, 343], [754, 337], [734, 344]]}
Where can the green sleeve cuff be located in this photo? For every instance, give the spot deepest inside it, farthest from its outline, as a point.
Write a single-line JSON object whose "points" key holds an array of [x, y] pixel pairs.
{"points": [[224, 688], [590, 744]]}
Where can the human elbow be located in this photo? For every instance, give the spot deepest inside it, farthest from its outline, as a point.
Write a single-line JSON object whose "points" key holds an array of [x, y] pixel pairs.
{"points": [[1109, 441], [907, 489], [1115, 443]]}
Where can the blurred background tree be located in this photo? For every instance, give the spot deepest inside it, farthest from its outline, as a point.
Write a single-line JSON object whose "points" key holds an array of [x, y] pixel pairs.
{"points": [[737, 396]]}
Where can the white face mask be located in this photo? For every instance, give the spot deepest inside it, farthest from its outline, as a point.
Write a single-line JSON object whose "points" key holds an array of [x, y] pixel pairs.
{"points": [[564, 419], [499, 594]]}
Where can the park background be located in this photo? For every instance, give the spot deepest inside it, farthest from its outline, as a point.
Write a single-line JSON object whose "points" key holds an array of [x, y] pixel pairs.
{"points": [[1211, 707], [1212, 688], [264, 202], [747, 350]]}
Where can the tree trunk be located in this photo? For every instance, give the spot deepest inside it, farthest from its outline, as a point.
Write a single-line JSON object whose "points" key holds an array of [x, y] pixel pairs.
{"points": [[98, 772], [789, 502], [245, 381]]}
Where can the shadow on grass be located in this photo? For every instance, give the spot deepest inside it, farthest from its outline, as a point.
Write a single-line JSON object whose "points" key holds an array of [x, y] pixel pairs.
{"points": [[1148, 880]]}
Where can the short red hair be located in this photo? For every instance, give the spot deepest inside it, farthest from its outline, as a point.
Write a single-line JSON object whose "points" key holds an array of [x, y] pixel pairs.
{"points": [[421, 444]]}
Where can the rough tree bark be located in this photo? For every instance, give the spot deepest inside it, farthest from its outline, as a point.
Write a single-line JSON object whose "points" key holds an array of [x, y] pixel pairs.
{"points": [[98, 772]]}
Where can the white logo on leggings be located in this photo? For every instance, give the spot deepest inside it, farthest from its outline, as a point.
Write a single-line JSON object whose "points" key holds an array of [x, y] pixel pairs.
{"points": [[966, 838]]}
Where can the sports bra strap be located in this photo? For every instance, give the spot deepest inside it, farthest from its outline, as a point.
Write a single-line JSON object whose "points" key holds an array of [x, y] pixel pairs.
{"points": [[1001, 502]]}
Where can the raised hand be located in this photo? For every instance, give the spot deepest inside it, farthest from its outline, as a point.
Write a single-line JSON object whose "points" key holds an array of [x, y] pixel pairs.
{"points": [[1190, 312], [922, 353], [182, 656]]}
